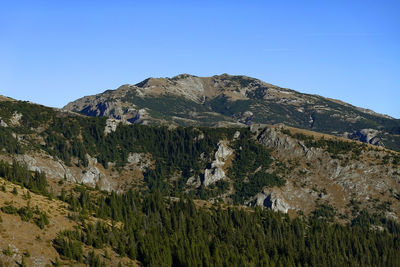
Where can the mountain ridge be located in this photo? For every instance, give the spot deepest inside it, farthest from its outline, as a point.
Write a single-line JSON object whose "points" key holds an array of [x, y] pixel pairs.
{"points": [[116, 156], [153, 81], [220, 100], [103, 168]]}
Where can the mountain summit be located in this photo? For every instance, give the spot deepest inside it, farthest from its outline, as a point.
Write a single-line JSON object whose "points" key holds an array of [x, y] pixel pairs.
{"points": [[226, 100], [158, 183]]}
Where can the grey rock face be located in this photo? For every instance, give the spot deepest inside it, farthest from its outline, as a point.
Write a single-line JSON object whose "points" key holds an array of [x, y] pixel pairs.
{"points": [[3, 123], [216, 173], [52, 167], [193, 182], [271, 200], [91, 177], [141, 117], [56, 169], [340, 177], [111, 126], [236, 135], [271, 137], [370, 136], [213, 175], [246, 117], [15, 119]]}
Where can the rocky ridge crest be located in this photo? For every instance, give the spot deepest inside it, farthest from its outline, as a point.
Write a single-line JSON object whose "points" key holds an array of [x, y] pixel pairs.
{"points": [[227, 100]]}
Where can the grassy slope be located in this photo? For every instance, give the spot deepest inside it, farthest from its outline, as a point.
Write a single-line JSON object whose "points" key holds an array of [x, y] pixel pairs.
{"points": [[26, 238]]}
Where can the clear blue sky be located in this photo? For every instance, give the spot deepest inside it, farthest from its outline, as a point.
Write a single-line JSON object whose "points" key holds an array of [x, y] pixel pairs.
{"points": [[52, 52]]}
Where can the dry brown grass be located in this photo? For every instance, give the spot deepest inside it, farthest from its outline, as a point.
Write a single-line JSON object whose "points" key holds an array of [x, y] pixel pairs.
{"points": [[26, 236], [4, 98], [22, 237]]}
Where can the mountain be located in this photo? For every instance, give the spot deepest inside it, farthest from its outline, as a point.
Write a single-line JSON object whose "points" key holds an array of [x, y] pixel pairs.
{"points": [[103, 190], [30, 223], [238, 165], [227, 100]]}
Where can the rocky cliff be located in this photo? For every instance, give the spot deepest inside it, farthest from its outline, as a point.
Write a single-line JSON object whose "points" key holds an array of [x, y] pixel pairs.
{"points": [[315, 175]]}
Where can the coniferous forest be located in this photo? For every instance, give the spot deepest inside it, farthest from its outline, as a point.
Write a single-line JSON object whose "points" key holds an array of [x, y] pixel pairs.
{"points": [[158, 230], [162, 225]]}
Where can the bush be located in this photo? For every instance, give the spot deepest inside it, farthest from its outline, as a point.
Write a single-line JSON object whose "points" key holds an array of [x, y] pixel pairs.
{"points": [[9, 209]]}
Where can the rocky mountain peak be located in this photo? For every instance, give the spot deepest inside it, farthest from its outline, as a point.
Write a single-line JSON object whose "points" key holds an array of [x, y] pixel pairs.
{"points": [[226, 100], [197, 88]]}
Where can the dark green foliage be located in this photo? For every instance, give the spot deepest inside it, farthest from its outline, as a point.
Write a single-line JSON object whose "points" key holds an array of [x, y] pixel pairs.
{"points": [[213, 190], [93, 260], [9, 143], [242, 80], [9, 209], [324, 212], [42, 220], [23, 262], [166, 106], [252, 162], [175, 151], [33, 115], [68, 247], [161, 232], [57, 263], [25, 213], [365, 220], [328, 116], [14, 191], [396, 159], [7, 251], [244, 190], [222, 105], [34, 181]]}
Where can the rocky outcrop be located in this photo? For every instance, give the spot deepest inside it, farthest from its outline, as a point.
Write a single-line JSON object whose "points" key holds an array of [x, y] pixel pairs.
{"points": [[111, 126], [194, 181], [142, 116], [139, 160], [15, 119], [3, 123], [272, 137], [236, 135], [216, 172], [270, 199], [314, 174], [53, 168], [91, 177], [370, 136], [246, 117], [213, 175]]}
